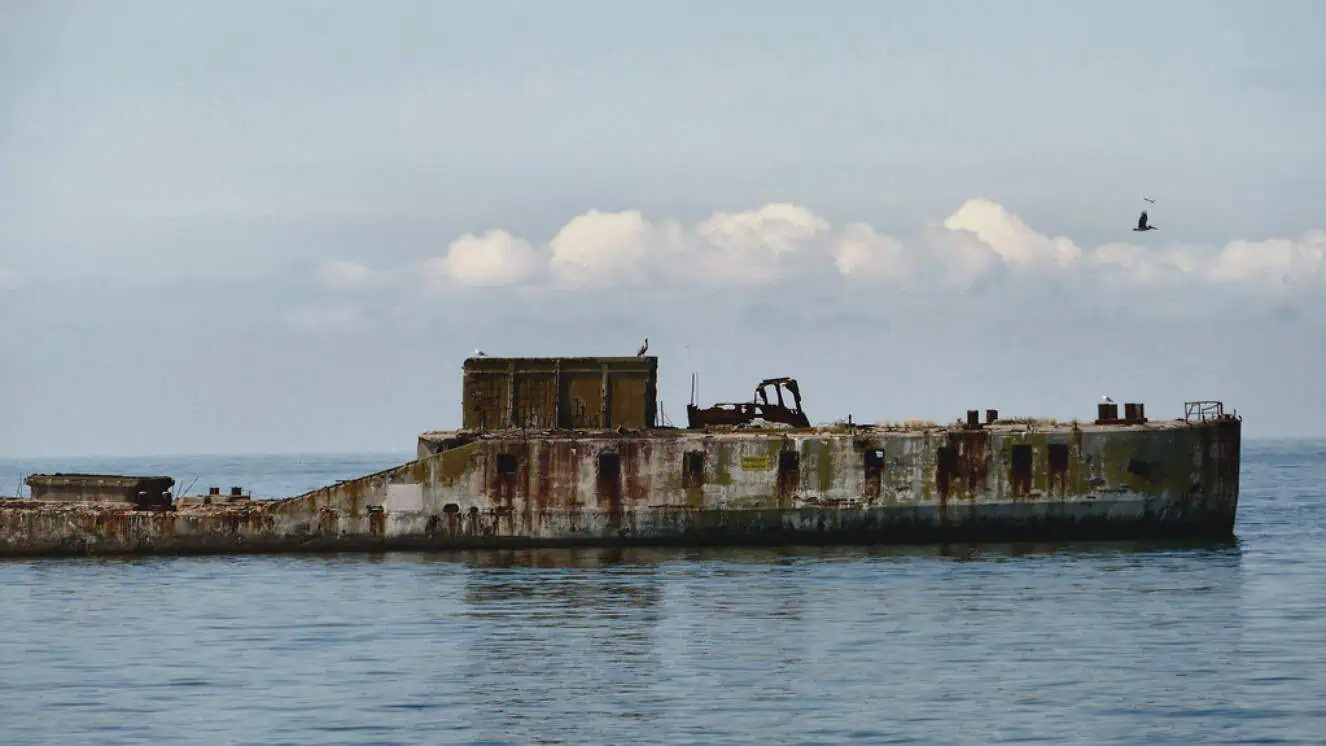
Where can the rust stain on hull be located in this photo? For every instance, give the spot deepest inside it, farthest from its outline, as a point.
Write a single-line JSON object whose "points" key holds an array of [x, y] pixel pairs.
{"points": [[873, 459], [1057, 458], [609, 488], [1006, 479], [640, 493]]}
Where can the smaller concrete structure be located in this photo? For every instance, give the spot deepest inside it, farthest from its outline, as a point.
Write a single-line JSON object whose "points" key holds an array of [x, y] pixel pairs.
{"points": [[142, 492], [500, 393], [214, 497]]}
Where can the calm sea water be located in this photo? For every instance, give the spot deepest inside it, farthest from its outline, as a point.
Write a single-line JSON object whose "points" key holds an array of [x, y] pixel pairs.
{"points": [[1108, 644]]}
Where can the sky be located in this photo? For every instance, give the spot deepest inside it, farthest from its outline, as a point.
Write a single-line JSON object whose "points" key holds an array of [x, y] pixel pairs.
{"points": [[245, 227]]}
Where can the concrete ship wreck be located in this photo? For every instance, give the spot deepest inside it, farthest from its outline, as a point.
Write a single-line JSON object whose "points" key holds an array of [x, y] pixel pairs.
{"points": [[570, 451]]}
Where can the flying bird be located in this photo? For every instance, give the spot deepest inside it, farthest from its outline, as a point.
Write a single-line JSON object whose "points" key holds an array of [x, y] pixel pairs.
{"points": [[478, 352], [1105, 399], [1148, 199], [643, 348], [1142, 225]]}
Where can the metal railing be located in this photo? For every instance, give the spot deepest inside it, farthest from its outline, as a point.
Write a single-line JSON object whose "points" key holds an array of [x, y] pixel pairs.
{"points": [[1203, 410]]}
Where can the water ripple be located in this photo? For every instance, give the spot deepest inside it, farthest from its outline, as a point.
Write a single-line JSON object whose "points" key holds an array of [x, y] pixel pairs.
{"points": [[1122, 643]]}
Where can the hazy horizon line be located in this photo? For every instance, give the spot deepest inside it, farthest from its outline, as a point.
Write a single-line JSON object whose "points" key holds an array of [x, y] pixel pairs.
{"points": [[393, 452]]}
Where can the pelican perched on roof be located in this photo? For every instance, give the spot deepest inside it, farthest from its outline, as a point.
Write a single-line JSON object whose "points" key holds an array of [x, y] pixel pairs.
{"points": [[643, 348]]}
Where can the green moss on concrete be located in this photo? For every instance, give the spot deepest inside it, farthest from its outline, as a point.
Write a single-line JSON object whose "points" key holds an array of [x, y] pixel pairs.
{"points": [[1040, 460], [824, 465], [925, 457], [1076, 468], [454, 463], [722, 462]]}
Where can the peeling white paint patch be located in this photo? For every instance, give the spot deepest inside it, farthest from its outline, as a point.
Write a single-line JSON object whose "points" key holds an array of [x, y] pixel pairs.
{"points": [[404, 498]]}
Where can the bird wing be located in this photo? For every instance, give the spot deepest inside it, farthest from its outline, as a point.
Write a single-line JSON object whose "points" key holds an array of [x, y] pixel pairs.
{"points": [[1141, 221]]}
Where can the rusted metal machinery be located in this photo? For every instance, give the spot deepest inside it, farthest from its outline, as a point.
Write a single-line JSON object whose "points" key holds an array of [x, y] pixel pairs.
{"points": [[566, 451], [758, 408]]}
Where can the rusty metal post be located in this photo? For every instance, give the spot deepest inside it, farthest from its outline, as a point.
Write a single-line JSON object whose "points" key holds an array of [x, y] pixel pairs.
{"points": [[991, 415], [973, 418], [605, 394], [558, 420], [511, 393]]}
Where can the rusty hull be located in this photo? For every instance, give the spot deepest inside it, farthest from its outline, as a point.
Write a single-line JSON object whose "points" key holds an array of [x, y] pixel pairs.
{"points": [[1006, 481], [761, 406]]}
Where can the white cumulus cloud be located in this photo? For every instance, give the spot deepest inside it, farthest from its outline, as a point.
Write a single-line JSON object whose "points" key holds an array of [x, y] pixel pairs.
{"points": [[957, 258], [494, 258], [1009, 237], [776, 229], [750, 247], [727, 248], [979, 244], [1142, 267], [603, 246], [1278, 264], [862, 251]]}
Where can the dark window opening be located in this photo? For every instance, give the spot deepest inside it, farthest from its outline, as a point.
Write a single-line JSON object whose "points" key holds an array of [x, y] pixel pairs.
{"points": [[874, 463], [1021, 466], [506, 464], [1022, 457], [610, 464], [946, 468], [692, 468], [1058, 457], [789, 461]]}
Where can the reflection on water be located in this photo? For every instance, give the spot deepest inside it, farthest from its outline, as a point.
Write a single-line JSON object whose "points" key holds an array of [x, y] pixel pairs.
{"points": [[556, 635], [609, 557], [1114, 642]]}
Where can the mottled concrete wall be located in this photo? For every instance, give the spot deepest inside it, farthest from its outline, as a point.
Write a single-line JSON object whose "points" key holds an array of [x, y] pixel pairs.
{"points": [[746, 487], [743, 470], [144, 492]]}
